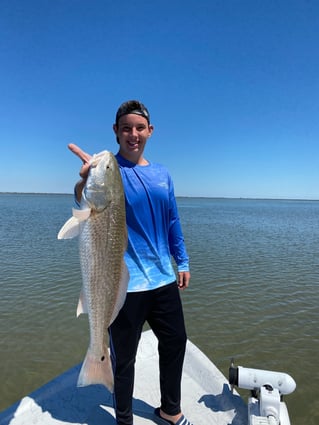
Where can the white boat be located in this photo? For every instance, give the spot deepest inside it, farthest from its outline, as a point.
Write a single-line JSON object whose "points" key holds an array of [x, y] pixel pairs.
{"points": [[206, 395]]}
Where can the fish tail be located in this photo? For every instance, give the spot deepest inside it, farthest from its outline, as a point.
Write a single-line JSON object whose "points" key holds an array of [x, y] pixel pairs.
{"points": [[96, 371]]}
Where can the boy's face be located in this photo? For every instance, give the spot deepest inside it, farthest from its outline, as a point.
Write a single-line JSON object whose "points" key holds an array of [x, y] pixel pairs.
{"points": [[132, 133]]}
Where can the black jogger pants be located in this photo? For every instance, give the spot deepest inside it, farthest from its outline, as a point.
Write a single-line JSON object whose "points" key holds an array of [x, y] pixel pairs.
{"points": [[162, 309]]}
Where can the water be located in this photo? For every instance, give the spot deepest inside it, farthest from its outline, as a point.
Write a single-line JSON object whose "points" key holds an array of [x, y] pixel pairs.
{"points": [[253, 295]]}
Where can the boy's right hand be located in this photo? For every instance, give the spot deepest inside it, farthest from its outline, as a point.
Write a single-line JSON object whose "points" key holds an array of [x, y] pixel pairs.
{"points": [[84, 171], [84, 157]]}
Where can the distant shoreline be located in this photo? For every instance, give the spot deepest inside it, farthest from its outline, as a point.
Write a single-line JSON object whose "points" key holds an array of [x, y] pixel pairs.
{"points": [[177, 196]]}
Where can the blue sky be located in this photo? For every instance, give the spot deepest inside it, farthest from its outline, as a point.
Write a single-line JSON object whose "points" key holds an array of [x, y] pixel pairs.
{"points": [[232, 87]]}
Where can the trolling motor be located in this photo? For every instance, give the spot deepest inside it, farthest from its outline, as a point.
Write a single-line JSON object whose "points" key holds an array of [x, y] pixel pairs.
{"points": [[266, 405]]}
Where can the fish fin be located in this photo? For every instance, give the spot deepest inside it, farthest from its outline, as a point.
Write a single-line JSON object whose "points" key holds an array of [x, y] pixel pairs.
{"points": [[71, 227], [125, 277], [97, 371], [82, 214], [82, 305]]}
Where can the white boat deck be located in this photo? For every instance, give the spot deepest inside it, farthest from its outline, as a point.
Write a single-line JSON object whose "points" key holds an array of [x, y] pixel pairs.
{"points": [[206, 395]]}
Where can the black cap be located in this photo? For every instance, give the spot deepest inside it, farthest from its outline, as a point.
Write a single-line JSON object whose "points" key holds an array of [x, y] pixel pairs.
{"points": [[132, 107]]}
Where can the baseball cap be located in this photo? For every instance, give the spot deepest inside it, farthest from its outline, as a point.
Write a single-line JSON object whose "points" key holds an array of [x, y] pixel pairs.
{"points": [[132, 107]]}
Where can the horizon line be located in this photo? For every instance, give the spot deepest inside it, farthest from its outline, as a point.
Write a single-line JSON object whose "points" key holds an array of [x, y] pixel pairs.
{"points": [[177, 196]]}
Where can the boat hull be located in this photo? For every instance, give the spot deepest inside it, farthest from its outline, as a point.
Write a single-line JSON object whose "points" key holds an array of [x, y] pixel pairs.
{"points": [[206, 395]]}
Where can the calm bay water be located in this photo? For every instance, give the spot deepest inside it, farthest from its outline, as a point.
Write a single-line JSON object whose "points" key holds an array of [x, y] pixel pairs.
{"points": [[253, 295]]}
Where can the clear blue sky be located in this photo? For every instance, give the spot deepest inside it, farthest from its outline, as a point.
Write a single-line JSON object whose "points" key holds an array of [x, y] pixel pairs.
{"points": [[232, 87]]}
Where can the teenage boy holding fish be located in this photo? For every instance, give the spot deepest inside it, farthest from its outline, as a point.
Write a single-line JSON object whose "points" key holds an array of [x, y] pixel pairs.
{"points": [[154, 235]]}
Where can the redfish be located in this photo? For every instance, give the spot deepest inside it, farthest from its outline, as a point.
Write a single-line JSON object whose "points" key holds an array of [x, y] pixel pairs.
{"points": [[100, 224]]}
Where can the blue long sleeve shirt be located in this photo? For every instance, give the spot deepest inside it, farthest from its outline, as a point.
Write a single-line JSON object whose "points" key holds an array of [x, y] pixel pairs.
{"points": [[154, 230]]}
